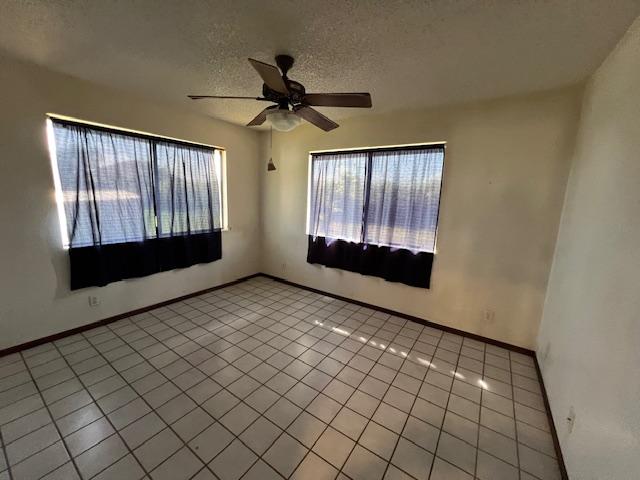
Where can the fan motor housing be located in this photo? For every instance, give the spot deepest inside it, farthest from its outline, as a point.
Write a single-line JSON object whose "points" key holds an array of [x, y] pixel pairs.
{"points": [[296, 91]]}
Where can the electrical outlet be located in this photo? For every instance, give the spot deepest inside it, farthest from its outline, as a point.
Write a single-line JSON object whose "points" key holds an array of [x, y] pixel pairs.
{"points": [[93, 301], [284, 267], [571, 419], [488, 315]]}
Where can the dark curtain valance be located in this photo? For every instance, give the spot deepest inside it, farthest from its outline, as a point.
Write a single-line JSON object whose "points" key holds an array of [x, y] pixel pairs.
{"points": [[394, 265], [135, 205]]}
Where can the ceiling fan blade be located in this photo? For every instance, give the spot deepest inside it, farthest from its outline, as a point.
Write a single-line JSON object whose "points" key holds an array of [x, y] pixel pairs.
{"points": [[200, 97], [261, 117], [315, 117], [358, 100], [270, 75]]}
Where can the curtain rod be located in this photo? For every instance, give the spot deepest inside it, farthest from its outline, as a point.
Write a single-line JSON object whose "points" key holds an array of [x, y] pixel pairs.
{"points": [[424, 146], [124, 131]]}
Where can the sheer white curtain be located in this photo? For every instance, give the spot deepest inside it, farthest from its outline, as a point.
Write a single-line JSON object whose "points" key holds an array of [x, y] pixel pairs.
{"points": [[404, 197], [187, 189], [337, 195], [107, 185]]}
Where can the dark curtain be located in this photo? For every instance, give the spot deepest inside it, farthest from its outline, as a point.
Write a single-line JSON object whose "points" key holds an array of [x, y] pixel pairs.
{"points": [[392, 264], [127, 213], [376, 212]]}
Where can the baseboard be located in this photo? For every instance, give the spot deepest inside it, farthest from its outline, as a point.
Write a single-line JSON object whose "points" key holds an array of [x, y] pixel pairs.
{"points": [[422, 321], [115, 318], [552, 424]]}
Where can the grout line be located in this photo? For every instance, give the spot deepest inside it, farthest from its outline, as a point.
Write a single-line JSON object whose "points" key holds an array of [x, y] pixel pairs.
{"points": [[446, 409], [475, 471], [409, 414], [104, 415], [5, 456], [61, 438]]}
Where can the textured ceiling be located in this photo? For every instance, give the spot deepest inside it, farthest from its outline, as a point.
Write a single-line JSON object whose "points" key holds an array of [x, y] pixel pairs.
{"points": [[407, 53]]}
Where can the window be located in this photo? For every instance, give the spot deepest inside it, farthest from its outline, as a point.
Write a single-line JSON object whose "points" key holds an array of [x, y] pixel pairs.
{"points": [[145, 203], [387, 198]]}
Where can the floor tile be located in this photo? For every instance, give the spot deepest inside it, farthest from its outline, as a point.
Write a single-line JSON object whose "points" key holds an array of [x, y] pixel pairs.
{"points": [[31, 443], [101, 456], [41, 463], [314, 468], [324, 408], [243, 386], [260, 435], [24, 425], [412, 459], [285, 454], [442, 470], [363, 403], [457, 452], [390, 417], [421, 433], [364, 465], [492, 468], [176, 408], [191, 424], [88, 436], [498, 445], [239, 418], [141, 430], [350, 423], [260, 471], [128, 413], [538, 464], [233, 462], [65, 472], [379, 440], [461, 427], [334, 447], [261, 399], [210, 442], [282, 413], [536, 439], [182, 465], [127, 467], [306, 429], [157, 449], [301, 395], [220, 404]]}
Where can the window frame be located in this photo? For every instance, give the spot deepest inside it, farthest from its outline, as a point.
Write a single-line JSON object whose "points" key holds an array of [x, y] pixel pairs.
{"points": [[370, 151], [220, 166]]}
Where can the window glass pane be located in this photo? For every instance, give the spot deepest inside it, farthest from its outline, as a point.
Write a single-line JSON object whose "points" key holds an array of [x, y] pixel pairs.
{"points": [[106, 181], [188, 189], [337, 195], [404, 197]]}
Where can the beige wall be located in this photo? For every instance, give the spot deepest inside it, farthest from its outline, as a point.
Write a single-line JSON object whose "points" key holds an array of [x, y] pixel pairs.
{"points": [[35, 300], [505, 172], [589, 344]]}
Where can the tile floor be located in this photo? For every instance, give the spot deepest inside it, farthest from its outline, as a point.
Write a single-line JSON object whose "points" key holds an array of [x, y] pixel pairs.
{"points": [[261, 380]]}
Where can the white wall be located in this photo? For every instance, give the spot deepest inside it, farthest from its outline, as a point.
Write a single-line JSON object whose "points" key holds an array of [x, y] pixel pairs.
{"points": [[506, 167], [35, 300], [592, 311]]}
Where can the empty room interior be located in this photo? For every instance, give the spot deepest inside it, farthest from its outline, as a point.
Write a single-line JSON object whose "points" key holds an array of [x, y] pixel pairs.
{"points": [[352, 240]]}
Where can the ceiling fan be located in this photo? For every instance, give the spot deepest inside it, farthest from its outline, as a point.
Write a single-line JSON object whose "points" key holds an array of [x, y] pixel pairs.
{"points": [[292, 102]]}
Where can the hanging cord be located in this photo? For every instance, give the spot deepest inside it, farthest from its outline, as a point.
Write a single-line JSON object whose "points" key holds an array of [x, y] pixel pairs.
{"points": [[270, 166]]}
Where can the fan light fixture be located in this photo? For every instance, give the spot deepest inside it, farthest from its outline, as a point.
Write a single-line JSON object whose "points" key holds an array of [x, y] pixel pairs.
{"points": [[284, 120], [292, 102]]}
